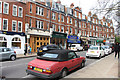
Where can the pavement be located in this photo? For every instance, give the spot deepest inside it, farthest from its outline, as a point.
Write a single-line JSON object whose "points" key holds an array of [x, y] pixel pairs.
{"points": [[106, 67], [26, 56]]}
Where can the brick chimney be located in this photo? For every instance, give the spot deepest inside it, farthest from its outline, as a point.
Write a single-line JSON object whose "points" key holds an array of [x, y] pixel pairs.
{"points": [[58, 1], [72, 5]]}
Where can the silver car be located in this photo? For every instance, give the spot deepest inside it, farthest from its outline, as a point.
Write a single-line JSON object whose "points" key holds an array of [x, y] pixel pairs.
{"points": [[7, 53]]}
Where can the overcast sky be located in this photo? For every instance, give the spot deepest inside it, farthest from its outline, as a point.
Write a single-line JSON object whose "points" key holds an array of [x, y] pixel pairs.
{"points": [[86, 5]]}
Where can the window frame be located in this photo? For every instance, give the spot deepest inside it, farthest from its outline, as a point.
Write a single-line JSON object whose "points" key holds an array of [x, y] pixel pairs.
{"points": [[14, 10], [1, 7], [19, 11], [30, 8], [21, 25], [15, 24], [7, 24], [4, 7]]}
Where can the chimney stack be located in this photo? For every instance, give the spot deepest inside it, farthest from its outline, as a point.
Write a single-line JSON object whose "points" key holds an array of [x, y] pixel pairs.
{"points": [[72, 5]]}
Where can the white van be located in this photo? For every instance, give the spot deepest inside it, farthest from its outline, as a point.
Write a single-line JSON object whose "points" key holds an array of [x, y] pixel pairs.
{"points": [[76, 47]]}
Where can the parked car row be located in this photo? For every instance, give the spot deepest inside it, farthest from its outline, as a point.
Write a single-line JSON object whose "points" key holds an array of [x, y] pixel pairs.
{"points": [[98, 51]]}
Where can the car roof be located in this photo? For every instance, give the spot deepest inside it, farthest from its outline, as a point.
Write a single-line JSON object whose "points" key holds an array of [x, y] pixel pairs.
{"points": [[62, 54], [59, 51], [95, 46]]}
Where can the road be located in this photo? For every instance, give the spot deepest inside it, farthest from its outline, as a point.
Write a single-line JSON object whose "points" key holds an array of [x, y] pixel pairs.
{"points": [[16, 69]]}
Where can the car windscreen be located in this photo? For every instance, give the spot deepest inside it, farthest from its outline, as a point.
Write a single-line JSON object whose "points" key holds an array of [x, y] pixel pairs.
{"points": [[105, 47], [49, 55], [72, 45], [93, 48], [0, 49]]}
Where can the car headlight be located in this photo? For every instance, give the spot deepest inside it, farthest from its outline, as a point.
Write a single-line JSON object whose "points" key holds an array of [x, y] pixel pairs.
{"points": [[45, 49]]}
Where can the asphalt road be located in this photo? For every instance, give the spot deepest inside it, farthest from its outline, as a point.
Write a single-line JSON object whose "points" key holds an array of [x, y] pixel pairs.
{"points": [[16, 69]]}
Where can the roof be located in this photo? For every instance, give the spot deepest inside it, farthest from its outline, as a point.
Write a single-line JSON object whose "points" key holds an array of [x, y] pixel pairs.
{"points": [[62, 55]]}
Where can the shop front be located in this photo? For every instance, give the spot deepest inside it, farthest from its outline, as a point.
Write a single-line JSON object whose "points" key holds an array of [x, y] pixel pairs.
{"points": [[92, 40], [37, 38], [73, 40], [59, 39], [13, 40]]}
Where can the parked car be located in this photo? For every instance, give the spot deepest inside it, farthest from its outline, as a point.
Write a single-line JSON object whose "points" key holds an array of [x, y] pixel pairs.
{"points": [[107, 49], [86, 46], [76, 47], [55, 63], [42, 49], [95, 51], [7, 53]]}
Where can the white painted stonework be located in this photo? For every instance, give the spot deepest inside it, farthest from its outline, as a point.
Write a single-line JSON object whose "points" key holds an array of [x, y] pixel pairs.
{"points": [[9, 42]]}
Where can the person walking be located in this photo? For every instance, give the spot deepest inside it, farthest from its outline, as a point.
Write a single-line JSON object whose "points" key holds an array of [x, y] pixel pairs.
{"points": [[117, 49], [30, 50]]}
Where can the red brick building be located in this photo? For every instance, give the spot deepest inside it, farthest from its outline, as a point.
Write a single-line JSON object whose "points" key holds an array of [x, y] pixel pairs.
{"points": [[12, 25]]}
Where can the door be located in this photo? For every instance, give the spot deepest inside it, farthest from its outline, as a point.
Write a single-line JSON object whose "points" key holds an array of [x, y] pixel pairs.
{"points": [[73, 61], [6, 53]]}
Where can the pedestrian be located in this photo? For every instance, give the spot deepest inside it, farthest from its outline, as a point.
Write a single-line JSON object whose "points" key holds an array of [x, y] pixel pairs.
{"points": [[117, 49], [30, 50]]}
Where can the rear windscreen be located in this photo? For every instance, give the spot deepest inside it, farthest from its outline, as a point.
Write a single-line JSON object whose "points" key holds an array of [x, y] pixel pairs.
{"points": [[93, 48], [73, 46], [49, 55]]}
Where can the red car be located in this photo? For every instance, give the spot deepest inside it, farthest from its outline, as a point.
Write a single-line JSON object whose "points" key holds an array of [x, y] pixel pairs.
{"points": [[55, 63]]}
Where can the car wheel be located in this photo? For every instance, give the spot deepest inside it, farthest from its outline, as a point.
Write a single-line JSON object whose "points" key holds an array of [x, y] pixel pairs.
{"points": [[87, 56], [100, 56], [64, 73], [82, 64], [12, 58]]}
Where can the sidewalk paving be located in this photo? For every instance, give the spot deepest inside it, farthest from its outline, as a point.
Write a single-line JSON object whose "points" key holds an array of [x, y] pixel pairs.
{"points": [[26, 56], [104, 68]]}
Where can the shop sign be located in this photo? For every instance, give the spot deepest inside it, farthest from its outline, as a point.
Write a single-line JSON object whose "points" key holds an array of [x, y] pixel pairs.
{"points": [[13, 33], [59, 35], [73, 39]]}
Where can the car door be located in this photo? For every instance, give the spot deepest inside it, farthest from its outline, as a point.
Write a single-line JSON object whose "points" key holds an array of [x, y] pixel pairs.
{"points": [[1, 53], [5, 53], [73, 62]]}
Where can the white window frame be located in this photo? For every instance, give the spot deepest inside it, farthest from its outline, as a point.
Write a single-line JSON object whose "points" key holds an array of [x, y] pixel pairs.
{"points": [[54, 27], [21, 25], [71, 30], [30, 8], [70, 20], [111, 30], [75, 22], [53, 16], [67, 20], [79, 24], [90, 33], [47, 13], [58, 28], [1, 7], [62, 17], [75, 13], [7, 8], [15, 24], [41, 11], [41, 25], [62, 28], [7, 24], [19, 12], [37, 10], [14, 10], [59, 17], [76, 31], [47, 26], [93, 27]]}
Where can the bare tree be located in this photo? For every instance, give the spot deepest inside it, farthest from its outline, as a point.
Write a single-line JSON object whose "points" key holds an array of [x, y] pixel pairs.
{"points": [[108, 8]]}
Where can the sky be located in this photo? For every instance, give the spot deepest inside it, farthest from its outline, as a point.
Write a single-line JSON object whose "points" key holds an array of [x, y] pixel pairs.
{"points": [[86, 5]]}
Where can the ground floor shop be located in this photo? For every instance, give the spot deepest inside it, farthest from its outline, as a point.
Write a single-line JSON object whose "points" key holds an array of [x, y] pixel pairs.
{"points": [[13, 40], [59, 39], [72, 40], [37, 38]]}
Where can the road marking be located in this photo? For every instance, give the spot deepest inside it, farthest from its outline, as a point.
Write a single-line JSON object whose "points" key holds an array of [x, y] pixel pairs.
{"points": [[12, 66], [29, 76]]}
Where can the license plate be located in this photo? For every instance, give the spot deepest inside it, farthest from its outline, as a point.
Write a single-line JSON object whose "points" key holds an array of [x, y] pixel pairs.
{"points": [[38, 69], [92, 51], [40, 51]]}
